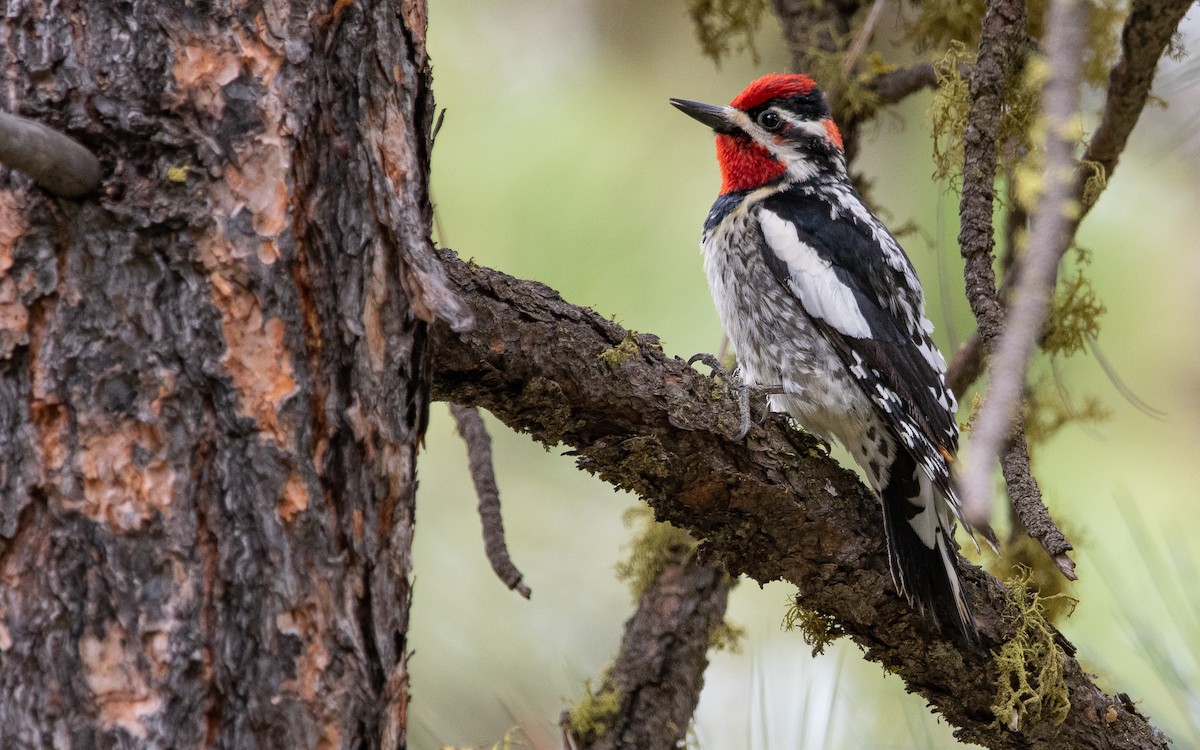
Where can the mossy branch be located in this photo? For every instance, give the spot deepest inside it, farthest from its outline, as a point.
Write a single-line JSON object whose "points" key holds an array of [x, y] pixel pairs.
{"points": [[771, 506]]}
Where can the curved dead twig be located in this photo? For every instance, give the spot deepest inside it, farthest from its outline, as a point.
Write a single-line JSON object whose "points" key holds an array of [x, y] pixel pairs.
{"points": [[479, 456]]}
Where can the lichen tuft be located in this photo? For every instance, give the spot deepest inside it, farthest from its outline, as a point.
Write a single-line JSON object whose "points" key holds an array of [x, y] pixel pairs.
{"points": [[725, 26], [818, 630], [654, 546], [1030, 664]]}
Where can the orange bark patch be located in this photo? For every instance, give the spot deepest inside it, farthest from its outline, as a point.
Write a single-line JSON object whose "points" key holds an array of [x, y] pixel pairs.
{"points": [[256, 357], [706, 496], [293, 500], [256, 174], [201, 71], [394, 146], [126, 477], [122, 697], [50, 422], [309, 625], [14, 316], [377, 293], [206, 64], [416, 18]]}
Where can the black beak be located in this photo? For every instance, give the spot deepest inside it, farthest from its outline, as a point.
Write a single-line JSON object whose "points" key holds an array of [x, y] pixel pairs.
{"points": [[712, 116]]}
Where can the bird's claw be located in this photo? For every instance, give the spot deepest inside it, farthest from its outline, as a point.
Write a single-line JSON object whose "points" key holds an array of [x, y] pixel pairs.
{"points": [[739, 387]]}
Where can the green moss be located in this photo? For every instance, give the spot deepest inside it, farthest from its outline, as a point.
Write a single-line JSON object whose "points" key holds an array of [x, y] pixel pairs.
{"points": [[1030, 664], [951, 103], [819, 630], [178, 174], [948, 111], [724, 26], [1074, 318], [594, 713], [622, 352], [651, 549], [727, 636]]}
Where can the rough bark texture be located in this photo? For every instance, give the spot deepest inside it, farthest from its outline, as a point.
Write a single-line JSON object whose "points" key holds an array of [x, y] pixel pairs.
{"points": [[772, 506], [211, 375], [658, 673]]}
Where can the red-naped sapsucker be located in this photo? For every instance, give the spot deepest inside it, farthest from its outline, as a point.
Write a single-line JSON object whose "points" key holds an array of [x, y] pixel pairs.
{"points": [[824, 309]]}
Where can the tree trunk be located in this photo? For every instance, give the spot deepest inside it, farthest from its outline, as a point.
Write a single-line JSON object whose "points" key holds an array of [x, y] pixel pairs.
{"points": [[214, 374]]}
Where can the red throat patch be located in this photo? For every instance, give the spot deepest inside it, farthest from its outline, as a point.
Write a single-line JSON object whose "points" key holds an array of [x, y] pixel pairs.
{"points": [[773, 86], [745, 164]]}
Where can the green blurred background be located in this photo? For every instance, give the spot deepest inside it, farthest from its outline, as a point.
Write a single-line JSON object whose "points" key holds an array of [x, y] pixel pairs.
{"points": [[561, 161]]}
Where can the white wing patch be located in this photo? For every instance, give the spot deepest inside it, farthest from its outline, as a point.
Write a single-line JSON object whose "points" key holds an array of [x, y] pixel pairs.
{"points": [[812, 278]]}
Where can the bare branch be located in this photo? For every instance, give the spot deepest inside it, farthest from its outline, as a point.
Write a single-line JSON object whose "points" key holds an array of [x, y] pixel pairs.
{"points": [[772, 506], [896, 85], [54, 161], [1049, 236], [479, 456], [1144, 38]]}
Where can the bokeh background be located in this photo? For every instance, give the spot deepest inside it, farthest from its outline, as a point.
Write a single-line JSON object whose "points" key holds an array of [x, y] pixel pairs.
{"points": [[560, 160]]}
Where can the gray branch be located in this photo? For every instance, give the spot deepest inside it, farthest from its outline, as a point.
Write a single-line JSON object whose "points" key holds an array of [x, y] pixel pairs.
{"points": [[479, 456], [1049, 235]]}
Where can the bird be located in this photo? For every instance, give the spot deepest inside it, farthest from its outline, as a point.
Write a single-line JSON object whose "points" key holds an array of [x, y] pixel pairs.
{"points": [[826, 315]]}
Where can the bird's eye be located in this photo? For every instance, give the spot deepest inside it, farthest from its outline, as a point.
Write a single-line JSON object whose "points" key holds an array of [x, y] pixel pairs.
{"points": [[770, 120]]}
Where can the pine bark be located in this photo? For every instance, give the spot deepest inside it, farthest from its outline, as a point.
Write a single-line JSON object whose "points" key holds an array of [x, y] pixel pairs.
{"points": [[214, 374]]}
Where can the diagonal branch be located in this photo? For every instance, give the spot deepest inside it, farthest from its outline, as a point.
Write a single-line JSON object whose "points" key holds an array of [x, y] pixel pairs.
{"points": [[1000, 40], [654, 683], [771, 506], [1026, 315]]}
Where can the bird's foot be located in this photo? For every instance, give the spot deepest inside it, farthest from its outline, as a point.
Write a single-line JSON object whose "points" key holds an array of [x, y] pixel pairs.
{"points": [[739, 387]]}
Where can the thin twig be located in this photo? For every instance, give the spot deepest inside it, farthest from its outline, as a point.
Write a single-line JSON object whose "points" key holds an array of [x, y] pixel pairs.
{"points": [[1049, 234], [479, 456], [58, 163], [862, 37]]}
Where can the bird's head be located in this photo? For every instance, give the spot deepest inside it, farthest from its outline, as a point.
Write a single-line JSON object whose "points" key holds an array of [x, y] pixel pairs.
{"points": [[777, 130]]}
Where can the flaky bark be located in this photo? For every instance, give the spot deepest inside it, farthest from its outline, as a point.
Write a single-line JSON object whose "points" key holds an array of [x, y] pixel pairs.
{"points": [[211, 375], [773, 506]]}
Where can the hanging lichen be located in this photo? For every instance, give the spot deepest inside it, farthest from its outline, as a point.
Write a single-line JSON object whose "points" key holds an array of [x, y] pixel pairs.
{"points": [[818, 630], [652, 548], [1030, 663], [725, 26]]}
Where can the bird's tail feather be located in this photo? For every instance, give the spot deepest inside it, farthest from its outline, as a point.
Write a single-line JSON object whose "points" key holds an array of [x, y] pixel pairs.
{"points": [[921, 551]]}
